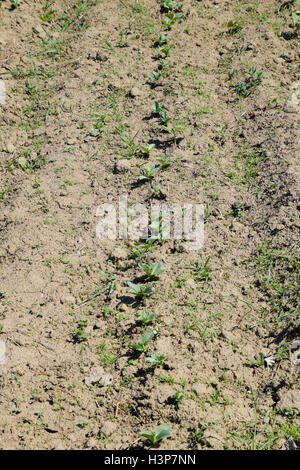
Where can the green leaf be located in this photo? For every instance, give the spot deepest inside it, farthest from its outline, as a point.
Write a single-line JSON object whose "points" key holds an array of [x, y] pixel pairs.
{"points": [[162, 431], [134, 288]]}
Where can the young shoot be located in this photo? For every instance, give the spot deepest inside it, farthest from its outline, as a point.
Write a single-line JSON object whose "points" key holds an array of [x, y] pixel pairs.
{"points": [[142, 345], [146, 317], [98, 127], [174, 130], [149, 172], [140, 292], [161, 39], [157, 360], [170, 5], [152, 272], [165, 162], [146, 149], [161, 432]]}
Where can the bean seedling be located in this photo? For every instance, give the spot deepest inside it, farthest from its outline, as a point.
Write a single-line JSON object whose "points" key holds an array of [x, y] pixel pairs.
{"points": [[171, 5], [174, 131], [146, 148], [146, 317], [15, 3], [140, 292], [296, 19], [161, 39], [156, 108], [136, 253], [161, 432], [157, 192], [152, 272], [149, 172], [154, 76], [166, 50], [165, 162], [156, 359], [142, 345], [170, 20]]}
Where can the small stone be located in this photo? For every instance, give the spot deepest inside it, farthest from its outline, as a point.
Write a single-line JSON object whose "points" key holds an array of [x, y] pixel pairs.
{"points": [[190, 284], [123, 307], [295, 350], [134, 92], [92, 379], [123, 165], [105, 380], [10, 148]]}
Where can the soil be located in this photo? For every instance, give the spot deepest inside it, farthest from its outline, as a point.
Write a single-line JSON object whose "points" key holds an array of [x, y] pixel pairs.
{"points": [[78, 107]]}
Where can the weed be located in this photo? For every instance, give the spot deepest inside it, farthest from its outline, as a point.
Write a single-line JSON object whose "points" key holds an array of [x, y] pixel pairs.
{"points": [[279, 280], [198, 434], [80, 334], [253, 80], [30, 161], [98, 127], [130, 146], [161, 432], [258, 362], [233, 27], [202, 271], [288, 430], [106, 359], [177, 398]]}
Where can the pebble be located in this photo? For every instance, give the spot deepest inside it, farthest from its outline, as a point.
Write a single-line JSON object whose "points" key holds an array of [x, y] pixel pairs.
{"points": [[134, 92], [123, 165]]}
